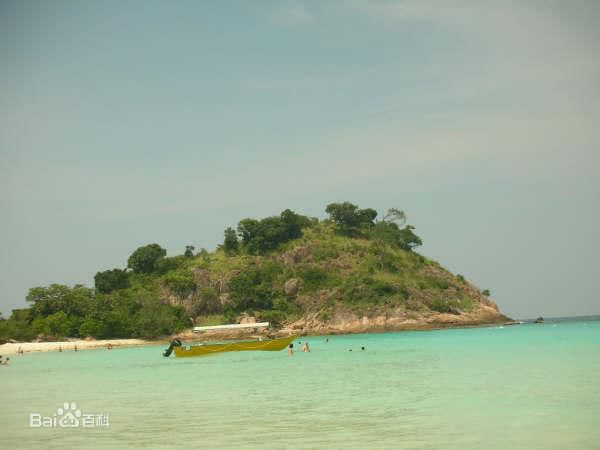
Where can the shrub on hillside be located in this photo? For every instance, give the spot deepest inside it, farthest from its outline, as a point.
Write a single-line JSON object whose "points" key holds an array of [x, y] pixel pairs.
{"points": [[181, 282], [444, 306], [253, 287], [314, 277]]}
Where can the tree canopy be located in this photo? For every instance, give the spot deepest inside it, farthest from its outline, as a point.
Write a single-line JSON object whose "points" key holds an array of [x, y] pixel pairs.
{"points": [[349, 219], [146, 258], [231, 244], [58, 311], [260, 236], [109, 280]]}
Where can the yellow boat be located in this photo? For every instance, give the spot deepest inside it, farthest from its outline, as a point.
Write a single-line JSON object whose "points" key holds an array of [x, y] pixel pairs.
{"points": [[182, 351], [211, 349]]}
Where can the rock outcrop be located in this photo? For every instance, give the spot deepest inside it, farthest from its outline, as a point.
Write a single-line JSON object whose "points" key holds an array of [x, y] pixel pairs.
{"points": [[344, 321]]}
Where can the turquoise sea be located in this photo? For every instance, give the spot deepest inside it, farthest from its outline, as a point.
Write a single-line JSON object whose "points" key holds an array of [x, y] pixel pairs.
{"points": [[530, 386]]}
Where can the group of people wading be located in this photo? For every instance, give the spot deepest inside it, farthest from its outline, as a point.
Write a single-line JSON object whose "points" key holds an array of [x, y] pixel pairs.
{"points": [[305, 348]]}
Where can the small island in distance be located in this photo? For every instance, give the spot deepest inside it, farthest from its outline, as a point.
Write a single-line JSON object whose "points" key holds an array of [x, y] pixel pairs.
{"points": [[352, 272]]}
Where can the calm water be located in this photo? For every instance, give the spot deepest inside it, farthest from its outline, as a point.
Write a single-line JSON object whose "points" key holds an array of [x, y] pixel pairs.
{"points": [[519, 387]]}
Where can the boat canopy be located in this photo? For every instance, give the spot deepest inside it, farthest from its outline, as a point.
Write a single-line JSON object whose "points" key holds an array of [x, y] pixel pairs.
{"points": [[234, 326]]}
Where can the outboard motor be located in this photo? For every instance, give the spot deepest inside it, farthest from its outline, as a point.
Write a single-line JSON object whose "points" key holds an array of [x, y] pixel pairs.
{"points": [[174, 343]]}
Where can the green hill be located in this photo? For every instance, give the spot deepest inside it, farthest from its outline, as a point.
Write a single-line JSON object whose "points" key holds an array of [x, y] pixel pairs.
{"points": [[347, 273]]}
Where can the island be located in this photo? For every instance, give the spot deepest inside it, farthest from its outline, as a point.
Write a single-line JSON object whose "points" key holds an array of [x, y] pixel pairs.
{"points": [[354, 271]]}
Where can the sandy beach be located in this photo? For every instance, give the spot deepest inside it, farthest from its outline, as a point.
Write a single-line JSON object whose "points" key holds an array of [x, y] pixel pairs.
{"points": [[69, 346]]}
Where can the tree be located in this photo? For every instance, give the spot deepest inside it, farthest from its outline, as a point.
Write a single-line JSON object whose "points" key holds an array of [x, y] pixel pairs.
{"points": [[349, 219], [57, 297], [109, 280], [247, 230], [407, 239], [189, 251], [342, 214], [58, 324], [366, 217], [389, 230], [92, 327], [230, 243], [394, 215], [293, 224], [145, 259], [260, 236], [158, 319]]}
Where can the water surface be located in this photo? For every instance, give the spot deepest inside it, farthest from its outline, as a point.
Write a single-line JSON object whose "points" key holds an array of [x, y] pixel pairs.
{"points": [[521, 387]]}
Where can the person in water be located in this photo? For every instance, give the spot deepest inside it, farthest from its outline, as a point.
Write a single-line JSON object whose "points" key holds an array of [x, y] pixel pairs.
{"points": [[306, 348], [291, 349], [5, 362]]}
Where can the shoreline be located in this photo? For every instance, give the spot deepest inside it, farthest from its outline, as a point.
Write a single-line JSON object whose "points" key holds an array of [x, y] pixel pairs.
{"points": [[12, 348]]}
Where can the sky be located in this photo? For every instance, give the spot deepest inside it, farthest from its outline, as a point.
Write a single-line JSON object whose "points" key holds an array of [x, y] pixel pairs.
{"points": [[124, 123]]}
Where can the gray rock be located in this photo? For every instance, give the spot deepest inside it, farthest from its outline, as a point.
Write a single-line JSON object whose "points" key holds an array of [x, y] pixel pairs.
{"points": [[292, 286]]}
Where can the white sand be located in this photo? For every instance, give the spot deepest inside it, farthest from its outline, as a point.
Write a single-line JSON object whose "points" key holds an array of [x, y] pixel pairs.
{"points": [[68, 346]]}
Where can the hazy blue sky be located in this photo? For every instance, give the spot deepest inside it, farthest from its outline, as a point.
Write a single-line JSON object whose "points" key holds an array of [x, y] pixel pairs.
{"points": [[129, 122]]}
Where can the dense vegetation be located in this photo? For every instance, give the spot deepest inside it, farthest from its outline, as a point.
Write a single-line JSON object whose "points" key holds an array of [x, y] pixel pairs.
{"points": [[277, 268]]}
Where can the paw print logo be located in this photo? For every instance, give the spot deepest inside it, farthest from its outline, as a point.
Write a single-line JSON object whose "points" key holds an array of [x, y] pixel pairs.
{"points": [[68, 415]]}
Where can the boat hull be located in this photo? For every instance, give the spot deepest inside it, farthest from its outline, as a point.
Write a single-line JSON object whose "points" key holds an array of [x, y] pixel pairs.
{"points": [[211, 349]]}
